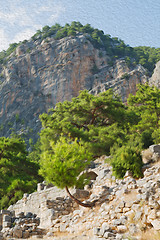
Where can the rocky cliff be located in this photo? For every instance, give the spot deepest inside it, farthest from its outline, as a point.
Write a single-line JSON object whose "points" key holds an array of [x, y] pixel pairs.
{"points": [[155, 79], [38, 74]]}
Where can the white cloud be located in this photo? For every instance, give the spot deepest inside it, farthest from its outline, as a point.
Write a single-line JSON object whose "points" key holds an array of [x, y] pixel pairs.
{"points": [[19, 19], [56, 13], [4, 41], [25, 34], [28, 14], [17, 16]]}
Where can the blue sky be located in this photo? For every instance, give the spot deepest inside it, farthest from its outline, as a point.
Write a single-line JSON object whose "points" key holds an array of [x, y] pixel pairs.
{"points": [[137, 22]]}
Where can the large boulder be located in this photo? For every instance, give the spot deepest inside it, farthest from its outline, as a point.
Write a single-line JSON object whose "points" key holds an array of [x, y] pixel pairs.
{"points": [[152, 154], [155, 149]]}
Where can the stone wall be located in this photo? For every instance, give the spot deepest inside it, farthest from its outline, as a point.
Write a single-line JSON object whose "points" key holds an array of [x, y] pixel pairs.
{"points": [[20, 226], [48, 203], [39, 203]]}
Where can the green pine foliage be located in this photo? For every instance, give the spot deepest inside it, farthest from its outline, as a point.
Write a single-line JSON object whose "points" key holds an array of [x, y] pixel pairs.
{"points": [[104, 123], [98, 121], [127, 158], [146, 105], [62, 163], [147, 56], [18, 174], [76, 131]]}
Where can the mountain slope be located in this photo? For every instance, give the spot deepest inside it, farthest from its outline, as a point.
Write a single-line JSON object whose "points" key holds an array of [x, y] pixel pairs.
{"points": [[43, 71]]}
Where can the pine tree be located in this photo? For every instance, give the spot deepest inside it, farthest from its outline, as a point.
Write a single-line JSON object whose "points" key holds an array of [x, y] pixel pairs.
{"points": [[63, 163], [98, 121]]}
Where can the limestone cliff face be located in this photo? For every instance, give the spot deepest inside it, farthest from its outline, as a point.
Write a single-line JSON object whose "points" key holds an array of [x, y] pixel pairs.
{"points": [[155, 79], [121, 79], [39, 74]]}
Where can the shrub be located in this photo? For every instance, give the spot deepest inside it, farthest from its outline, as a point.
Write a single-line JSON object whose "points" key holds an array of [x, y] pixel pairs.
{"points": [[127, 158], [156, 136], [17, 117], [146, 138]]}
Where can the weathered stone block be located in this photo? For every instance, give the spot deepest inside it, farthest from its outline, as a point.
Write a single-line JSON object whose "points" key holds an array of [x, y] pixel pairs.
{"points": [[6, 218], [155, 149], [81, 194], [17, 233], [20, 215], [121, 229], [156, 224], [6, 224], [63, 227], [108, 235], [6, 212], [133, 228], [25, 234]]}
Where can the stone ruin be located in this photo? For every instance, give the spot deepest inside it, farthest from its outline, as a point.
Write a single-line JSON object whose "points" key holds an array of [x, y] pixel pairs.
{"points": [[125, 208], [20, 226], [35, 212]]}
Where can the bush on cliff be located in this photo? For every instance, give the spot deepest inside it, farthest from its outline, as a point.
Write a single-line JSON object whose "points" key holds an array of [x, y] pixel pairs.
{"points": [[127, 158]]}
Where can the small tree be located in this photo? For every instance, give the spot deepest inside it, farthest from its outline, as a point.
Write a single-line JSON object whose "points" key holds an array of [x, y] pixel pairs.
{"points": [[63, 163]]}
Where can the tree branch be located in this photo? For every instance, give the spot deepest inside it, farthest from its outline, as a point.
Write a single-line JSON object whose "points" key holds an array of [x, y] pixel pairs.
{"points": [[89, 205]]}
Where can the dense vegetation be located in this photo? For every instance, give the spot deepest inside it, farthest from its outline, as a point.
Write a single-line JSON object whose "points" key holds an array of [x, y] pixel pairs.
{"points": [[105, 125], [77, 131], [115, 48], [4, 54], [96, 120], [18, 173]]}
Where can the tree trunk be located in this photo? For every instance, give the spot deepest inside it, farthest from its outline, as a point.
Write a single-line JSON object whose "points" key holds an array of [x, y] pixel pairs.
{"points": [[89, 205]]}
